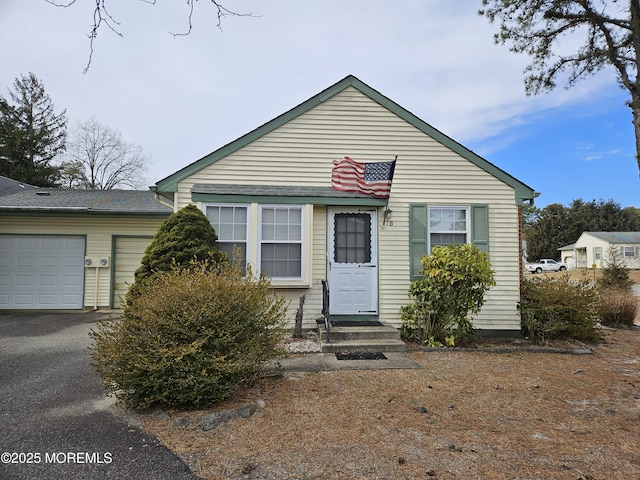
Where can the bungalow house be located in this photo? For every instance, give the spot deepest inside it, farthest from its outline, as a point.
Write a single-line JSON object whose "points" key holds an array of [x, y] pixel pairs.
{"points": [[593, 248], [294, 195], [72, 249]]}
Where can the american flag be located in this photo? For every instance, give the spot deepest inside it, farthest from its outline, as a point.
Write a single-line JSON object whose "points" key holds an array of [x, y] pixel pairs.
{"points": [[368, 178]]}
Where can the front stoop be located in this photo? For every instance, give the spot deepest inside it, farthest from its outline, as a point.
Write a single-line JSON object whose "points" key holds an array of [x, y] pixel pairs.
{"points": [[361, 339]]}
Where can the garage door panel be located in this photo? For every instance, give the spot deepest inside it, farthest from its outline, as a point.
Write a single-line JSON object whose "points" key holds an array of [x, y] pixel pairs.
{"points": [[48, 280], [72, 281], [26, 262], [26, 243], [76, 243], [42, 271], [47, 300], [68, 301], [74, 262], [24, 280], [52, 243], [23, 300], [49, 262]]}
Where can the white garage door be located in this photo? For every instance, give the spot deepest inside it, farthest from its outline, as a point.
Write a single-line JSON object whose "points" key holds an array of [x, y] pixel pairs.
{"points": [[41, 272], [128, 252]]}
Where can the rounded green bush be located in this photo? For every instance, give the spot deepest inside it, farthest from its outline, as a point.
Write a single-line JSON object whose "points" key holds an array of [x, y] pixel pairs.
{"points": [[191, 337], [453, 287]]}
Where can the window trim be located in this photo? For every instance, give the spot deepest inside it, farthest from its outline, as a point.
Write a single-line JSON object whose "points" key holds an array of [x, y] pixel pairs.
{"points": [[302, 242], [247, 207], [478, 229], [467, 221]]}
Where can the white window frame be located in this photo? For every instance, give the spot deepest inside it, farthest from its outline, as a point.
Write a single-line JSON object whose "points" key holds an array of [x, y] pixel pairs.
{"points": [[302, 241], [247, 208], [431, 231], [628, 248]]}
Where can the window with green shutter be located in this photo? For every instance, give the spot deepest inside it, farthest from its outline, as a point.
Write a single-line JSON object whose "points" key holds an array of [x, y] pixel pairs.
{"points": [[445, 225]]}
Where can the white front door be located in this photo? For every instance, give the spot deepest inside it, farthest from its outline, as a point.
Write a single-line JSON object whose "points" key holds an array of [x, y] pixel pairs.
{"points": [[353, 261]]}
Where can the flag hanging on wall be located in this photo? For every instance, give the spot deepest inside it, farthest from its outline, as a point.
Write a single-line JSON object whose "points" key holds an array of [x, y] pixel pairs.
{"points": [[368, 178]]}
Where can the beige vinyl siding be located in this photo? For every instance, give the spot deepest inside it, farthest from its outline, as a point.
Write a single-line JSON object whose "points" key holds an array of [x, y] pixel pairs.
{"points": [[99, 232], [127, 254], [350, 123]]}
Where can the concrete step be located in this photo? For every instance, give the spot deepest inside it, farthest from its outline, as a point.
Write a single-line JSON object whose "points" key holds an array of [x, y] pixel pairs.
{"points": [[359, 333], [359, 346]]}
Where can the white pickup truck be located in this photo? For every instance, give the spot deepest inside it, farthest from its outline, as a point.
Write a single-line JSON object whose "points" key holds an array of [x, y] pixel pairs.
{"points": [[546, 265]]}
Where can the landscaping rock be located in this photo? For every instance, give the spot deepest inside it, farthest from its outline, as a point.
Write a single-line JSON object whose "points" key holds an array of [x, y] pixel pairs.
{"points": [[212, 420], [181, 422], [160, 414], [248, 410]]}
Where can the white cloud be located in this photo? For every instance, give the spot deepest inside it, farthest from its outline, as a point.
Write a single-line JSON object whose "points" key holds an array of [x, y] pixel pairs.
{"points": [[184, 97]]}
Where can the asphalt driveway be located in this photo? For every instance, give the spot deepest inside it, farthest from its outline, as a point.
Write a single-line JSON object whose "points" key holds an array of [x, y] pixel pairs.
{"points": [[56, 420]]}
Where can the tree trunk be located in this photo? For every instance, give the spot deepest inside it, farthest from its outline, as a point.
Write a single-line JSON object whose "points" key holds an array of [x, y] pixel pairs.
{"points": [[636, 130], [634, 85]]}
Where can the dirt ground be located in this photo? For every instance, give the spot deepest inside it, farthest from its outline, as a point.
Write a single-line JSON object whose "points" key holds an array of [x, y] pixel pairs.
{"points": [[466, 414]]}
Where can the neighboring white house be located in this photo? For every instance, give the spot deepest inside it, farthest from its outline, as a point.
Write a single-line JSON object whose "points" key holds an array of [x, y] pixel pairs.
{"points": [[592, 248]]}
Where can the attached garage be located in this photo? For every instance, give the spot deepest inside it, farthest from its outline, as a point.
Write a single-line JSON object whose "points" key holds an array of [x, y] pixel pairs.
{"points": [[41, 271], [128, 252], [46, 234]]}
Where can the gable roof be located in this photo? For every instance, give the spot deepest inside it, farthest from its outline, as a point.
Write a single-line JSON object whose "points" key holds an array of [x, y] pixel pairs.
{"points": [[616, 237], [9, 186], [131, 202], [170, 184]]}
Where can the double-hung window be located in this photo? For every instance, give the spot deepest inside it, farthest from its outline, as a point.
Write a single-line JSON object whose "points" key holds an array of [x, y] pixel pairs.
{"points": [[281, 245], [231, 224], [432, 225], [629, 252], [447, 226]]}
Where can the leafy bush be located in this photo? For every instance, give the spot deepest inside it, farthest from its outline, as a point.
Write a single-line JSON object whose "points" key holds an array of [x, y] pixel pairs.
{"points": [[617, 306], [455, 281], [558, 308], [191, 338], [183, 237]]}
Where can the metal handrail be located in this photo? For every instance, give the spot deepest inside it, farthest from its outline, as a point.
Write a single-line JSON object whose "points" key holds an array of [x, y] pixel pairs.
{"points": [[325, 309]]}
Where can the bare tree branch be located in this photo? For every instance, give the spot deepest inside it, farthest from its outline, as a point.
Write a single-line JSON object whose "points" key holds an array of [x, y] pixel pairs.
{"points": [[102, 16]]}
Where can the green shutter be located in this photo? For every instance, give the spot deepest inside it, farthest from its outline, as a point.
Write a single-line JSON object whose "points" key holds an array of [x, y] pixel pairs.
{"points": [[418, 236], [480, 226]]}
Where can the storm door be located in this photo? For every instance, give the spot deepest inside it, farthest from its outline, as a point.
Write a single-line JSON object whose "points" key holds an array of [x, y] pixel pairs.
{"points": [[353, 262]]}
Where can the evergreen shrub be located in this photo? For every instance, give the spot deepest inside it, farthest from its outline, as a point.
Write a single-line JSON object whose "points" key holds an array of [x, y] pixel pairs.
{"points": [[191, 337], [617, 307], [185, 236], [559, 308]]}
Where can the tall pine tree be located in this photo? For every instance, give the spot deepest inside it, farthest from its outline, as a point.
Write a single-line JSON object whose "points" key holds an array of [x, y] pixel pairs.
{"points": [[32, 134]]}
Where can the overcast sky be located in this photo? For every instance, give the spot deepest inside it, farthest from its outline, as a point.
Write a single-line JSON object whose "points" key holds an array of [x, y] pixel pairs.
{"points": [[182, 98]]}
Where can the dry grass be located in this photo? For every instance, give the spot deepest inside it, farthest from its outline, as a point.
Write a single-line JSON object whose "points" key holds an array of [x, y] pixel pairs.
{"points": [[466, 414], [585, 274]]}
